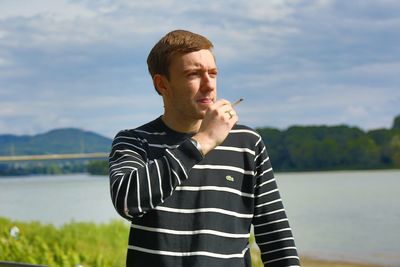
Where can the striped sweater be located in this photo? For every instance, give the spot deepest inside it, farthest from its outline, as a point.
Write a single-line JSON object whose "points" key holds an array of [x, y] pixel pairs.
{"points": [[186, 210]]}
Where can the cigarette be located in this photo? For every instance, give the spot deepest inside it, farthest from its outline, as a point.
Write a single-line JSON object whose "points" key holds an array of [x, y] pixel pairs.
{"points": [[237, 102]]}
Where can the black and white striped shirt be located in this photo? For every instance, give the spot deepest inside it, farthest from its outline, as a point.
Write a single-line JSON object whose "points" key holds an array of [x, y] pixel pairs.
{"points": [[186, 210]]}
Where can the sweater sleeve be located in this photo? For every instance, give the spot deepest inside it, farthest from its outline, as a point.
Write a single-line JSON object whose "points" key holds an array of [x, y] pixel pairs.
{"points": [[271, 226], [138, 184]]}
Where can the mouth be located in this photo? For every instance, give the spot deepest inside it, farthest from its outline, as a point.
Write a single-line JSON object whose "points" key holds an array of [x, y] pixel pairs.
{"points": [[205, 101]]}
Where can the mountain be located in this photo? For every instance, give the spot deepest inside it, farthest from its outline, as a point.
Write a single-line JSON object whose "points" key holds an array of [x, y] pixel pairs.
{"points": [[58, 141]]}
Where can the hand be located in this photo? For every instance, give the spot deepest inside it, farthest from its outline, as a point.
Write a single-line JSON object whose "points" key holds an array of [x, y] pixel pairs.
{"points": [[218, 121]]}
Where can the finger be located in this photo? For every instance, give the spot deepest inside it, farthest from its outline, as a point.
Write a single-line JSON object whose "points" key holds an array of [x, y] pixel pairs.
{"points": [[230, 113], [221, 102], [226, 106]]}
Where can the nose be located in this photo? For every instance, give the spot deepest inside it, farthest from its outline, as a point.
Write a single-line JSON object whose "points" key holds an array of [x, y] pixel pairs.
{"points": [[208, 82]]}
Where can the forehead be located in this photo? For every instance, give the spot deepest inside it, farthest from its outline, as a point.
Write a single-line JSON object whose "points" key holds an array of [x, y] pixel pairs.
{"points": [[198, 59]]}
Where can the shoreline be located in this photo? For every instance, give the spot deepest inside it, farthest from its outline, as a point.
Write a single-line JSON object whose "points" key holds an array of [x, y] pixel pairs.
{"points": [[314, 262], [310, 261]]}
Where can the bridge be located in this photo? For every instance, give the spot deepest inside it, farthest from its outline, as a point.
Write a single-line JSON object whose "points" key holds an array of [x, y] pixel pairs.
{"points": [[54, 157]]}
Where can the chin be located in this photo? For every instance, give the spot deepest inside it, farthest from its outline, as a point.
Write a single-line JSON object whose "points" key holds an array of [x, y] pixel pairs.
{"points": [[200, 115]]}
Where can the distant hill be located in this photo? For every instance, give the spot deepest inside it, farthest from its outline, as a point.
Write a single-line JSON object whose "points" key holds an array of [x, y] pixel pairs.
{"points": [[58, 141], [297, 148]]}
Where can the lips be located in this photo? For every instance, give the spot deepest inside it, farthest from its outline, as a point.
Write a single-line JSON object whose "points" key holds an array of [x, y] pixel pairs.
{"points": [[205, 101]]}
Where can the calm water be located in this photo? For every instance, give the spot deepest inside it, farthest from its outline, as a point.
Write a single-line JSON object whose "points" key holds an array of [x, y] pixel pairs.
{"points": [[334, 215]]}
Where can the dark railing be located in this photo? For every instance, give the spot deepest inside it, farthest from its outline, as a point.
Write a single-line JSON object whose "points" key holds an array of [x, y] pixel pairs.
{"points": [[17, 264], [54, 157]]}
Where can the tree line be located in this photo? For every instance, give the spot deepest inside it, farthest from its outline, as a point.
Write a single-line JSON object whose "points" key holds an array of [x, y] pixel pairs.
{"points": [[298, 148], [307, 148], [94, 167]]}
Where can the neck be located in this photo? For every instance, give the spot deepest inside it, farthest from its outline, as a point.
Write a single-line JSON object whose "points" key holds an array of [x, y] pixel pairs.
{"points": [[181, 124]]}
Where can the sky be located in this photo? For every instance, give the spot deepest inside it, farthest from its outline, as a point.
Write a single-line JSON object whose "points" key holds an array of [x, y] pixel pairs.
{"points": [[82, 63]]}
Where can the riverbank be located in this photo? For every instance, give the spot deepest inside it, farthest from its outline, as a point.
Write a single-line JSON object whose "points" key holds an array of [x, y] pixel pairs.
{"points": [[309, 262]]}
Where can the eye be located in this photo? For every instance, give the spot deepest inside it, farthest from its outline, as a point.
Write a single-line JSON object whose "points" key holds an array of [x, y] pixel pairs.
{"points": [[192, 74], [213, 74]]}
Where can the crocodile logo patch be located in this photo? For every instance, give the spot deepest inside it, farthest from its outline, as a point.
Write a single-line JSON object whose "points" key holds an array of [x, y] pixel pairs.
{"points": [[229, 178]]}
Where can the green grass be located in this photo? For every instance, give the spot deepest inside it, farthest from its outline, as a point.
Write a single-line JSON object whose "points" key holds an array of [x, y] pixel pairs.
{"points": [[72, 244]]}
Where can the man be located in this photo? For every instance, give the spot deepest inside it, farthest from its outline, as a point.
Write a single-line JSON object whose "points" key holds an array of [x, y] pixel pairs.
{"points": [[193, 181]]}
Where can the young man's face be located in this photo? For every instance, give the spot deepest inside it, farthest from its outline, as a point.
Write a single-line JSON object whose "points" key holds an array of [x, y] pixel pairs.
{"points": [[192, 84]]}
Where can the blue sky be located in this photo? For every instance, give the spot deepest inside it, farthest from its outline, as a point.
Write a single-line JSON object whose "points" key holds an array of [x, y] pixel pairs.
{"points": [[81, 63]]}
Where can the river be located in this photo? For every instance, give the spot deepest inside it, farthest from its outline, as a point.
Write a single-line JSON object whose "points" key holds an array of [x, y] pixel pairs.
{"points": [[343, 215]]}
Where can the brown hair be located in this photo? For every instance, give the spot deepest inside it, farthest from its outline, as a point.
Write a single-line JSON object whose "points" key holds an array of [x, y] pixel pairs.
{"points": [[178, 41]]}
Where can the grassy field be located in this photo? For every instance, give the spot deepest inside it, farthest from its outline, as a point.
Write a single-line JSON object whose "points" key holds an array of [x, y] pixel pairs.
{"points": [[87, 245], [73, 244]]}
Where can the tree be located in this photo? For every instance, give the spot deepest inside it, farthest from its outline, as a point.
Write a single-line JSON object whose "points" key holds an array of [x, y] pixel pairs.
{"points": [[383, 138], [395, 149], [98, 167], [277, 151], [396, 123]]}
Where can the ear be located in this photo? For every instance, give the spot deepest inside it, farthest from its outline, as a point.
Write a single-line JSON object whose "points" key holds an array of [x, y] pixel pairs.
{"points": [[161, 84]]}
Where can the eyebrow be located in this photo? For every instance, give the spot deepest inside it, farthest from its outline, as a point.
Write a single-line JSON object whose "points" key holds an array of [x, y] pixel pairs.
{"points": [[197, 68]]}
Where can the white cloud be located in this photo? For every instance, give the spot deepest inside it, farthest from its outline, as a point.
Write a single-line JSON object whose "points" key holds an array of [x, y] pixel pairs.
{"points": [[3, 62], [332, 105], [3, 34], [357, 111], [58, 9], [294, 61], [273, 10], [377, 69], [93, 21]]}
